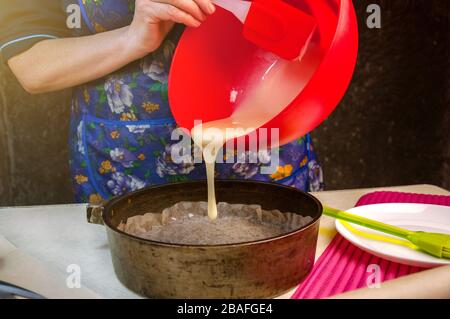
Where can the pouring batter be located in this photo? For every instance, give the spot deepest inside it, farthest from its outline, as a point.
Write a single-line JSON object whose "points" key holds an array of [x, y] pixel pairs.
{"points": [[263, 99]]}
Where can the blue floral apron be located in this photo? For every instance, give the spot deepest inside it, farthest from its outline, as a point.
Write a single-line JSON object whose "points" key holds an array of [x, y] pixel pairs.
{"points": [[121, 126]]}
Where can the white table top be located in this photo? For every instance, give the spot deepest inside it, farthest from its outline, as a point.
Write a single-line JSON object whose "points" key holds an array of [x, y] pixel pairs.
{"points": [[55, 237]]}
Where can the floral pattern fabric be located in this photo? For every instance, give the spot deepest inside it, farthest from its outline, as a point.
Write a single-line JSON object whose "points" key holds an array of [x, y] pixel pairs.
{"points": [[121, 126]]}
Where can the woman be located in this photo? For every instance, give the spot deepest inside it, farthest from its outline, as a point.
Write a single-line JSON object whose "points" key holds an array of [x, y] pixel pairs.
{"points": [[118, 64]]}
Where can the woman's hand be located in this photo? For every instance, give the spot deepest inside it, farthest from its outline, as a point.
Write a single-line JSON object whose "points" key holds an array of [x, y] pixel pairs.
{"points": [[153, 19], [56, 64]]}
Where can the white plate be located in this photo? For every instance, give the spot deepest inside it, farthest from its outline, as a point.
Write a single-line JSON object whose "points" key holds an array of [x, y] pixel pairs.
{"points": [[431, 218]]}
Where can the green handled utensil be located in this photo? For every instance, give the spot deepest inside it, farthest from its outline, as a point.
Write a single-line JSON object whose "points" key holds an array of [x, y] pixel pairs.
{"points": [[434, 244]]}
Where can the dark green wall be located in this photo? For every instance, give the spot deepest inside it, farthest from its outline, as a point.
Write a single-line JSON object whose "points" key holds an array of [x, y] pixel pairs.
{"points": [[392, 127], [33, 143]]}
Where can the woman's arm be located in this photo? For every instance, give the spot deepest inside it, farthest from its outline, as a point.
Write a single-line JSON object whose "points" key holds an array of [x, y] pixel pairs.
{"points": [[52, 65], [57, 64]]}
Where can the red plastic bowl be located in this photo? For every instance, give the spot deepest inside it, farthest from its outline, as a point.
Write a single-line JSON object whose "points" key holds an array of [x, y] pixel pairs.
{"points": [[209, 58]]}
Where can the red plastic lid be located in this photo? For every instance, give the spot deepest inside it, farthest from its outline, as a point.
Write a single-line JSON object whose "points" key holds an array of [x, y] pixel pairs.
{"points": [[209, 59]]}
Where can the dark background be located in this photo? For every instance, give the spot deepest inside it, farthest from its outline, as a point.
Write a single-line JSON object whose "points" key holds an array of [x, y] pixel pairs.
{"points": [[392, 127]]}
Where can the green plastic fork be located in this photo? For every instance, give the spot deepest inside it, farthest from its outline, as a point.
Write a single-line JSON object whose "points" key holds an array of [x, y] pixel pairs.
{"points": [[434, 244]]}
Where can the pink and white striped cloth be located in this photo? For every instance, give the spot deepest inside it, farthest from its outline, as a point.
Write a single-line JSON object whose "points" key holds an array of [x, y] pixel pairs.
{"points": [[343, 266]]}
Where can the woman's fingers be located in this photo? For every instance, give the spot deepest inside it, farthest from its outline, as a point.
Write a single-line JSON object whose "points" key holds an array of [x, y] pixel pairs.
{"points": [[188, 6], [172, 13], [206, 5]]}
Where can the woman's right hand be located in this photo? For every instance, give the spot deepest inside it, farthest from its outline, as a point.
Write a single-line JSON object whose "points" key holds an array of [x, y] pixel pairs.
{"points": [[153, 19], [56, 64]]}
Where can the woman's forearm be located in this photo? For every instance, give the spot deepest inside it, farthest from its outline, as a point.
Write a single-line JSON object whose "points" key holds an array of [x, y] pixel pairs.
{"points": [[53, 65]]}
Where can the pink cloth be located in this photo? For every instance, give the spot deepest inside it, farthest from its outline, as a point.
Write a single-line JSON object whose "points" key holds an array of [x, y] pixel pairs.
{"points": [[343, 266]]}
